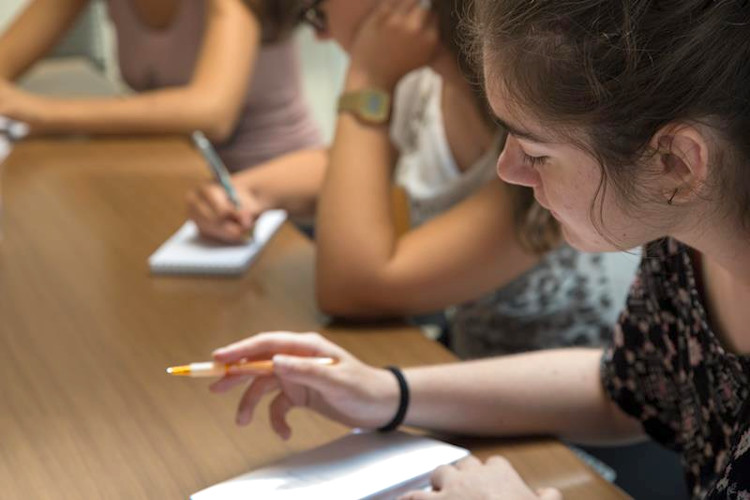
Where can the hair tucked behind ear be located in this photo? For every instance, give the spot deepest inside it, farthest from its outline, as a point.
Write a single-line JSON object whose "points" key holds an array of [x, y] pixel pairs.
{"points": [[278, 18], [621, 70]]}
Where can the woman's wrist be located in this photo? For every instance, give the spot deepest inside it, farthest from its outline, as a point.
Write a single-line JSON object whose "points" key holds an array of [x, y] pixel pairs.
{"points": [[386, 396], [403, 402], [248, 184], [24, 107], [360, 78]]}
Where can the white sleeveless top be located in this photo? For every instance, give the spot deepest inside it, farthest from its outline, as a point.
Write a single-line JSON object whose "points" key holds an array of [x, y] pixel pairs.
{"points": [[426, 168]]}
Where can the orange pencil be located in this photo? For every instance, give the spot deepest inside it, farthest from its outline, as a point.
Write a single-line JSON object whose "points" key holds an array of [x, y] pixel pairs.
{"points": [[212, 369]]}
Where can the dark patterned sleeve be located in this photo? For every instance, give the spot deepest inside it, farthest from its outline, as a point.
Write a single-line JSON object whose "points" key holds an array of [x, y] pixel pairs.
{"points": [[735, 481], [635, 368]]}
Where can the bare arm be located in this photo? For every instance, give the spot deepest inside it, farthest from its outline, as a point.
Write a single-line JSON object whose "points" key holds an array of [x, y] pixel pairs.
{"points": [[557, 392], [365, 269], [211, 101], [34, 32], [291, 182]]}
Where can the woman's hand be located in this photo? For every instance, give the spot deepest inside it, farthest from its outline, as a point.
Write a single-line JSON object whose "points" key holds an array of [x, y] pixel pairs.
{"points": [[349, 392], [399, 36], [471, 479], [19, 105], [217, 218]]}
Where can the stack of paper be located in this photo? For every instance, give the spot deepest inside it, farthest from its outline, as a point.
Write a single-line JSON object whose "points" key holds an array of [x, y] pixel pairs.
{"points": [[187, 253], [359, 466]]}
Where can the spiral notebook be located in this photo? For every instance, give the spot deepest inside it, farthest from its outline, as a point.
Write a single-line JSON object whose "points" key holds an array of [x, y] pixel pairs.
{"points": [[369, 465], [188, 254]]}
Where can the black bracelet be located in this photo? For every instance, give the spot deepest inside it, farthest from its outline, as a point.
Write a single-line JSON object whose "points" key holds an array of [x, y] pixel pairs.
{"points": [[403, 403]]}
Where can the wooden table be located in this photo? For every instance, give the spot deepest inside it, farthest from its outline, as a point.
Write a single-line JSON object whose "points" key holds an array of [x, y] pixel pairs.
{"points": [[86, 410]]}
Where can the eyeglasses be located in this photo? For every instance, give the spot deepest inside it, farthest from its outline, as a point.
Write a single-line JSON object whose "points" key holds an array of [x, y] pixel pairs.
{"points": [[313, 15]]}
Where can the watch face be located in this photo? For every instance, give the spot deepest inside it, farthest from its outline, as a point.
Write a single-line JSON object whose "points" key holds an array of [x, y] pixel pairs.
{"points": [[370, 105], [376, 106], [374, 103]]}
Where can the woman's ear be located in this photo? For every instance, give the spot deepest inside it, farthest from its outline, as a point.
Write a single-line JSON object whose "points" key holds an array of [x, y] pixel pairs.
{"points": [[682, 159]]}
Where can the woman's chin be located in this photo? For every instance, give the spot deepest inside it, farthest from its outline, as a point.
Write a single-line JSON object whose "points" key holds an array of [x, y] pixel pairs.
{"points": [[586, 243], [322, 35]]}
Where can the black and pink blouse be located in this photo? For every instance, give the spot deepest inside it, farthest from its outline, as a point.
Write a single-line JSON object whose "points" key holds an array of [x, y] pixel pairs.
{"points": [[668, 369]]}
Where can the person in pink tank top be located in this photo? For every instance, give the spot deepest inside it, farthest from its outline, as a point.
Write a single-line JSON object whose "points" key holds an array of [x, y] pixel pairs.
{"points": [[226, 67]]}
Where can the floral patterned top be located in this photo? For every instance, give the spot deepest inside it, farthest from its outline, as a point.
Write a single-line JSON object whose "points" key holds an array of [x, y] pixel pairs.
{"points": [[668, 369]]}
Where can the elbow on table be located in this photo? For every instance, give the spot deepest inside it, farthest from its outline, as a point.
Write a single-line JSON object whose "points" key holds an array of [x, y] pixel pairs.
{"points": [[357, 300], [218, 128], [217, 120]]}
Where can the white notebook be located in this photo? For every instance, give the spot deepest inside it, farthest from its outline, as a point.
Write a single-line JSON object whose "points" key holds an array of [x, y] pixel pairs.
{"points": [[368, 465], [187, 253]]}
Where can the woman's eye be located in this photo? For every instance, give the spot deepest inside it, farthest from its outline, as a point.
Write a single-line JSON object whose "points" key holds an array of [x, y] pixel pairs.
{"points": [[535, 161]]}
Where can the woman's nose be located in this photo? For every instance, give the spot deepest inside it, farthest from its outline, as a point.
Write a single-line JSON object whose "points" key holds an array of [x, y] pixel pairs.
{"points": [[513, 169]]}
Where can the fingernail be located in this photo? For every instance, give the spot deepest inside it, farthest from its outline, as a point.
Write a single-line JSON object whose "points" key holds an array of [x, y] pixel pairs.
{"points": [[243, 418], [282, 362]]}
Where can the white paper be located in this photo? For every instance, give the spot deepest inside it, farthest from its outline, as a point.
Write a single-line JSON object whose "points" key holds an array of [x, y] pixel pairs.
{"points": [[187, 253], [5, 147], [13, 129], [370, 465]]}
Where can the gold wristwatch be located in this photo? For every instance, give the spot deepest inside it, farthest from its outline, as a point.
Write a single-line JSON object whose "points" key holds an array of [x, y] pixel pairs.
{"points": [[372, 106]]}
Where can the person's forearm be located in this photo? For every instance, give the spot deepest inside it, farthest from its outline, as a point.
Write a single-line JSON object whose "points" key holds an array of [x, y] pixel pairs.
{"points": [[291, 182], [355, 226], [557, 392], [177, 110], [34, 32]]}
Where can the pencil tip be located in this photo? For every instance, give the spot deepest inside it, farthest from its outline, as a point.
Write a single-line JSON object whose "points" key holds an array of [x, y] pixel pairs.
{"points": [[179, 370]]}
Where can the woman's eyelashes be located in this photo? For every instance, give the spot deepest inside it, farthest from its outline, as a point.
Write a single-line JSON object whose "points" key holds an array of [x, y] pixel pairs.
{"points": [[534, 161]]}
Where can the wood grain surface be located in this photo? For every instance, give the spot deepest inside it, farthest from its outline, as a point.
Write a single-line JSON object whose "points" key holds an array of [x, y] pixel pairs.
{"points": [[86, 410]]}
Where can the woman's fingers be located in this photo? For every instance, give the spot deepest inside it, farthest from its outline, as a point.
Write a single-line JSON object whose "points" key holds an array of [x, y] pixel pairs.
{"points": [[254, 393], [218, 201], [229, 381], [441, 476], [278, 410], [307, 373], [468, 463], [549, 494], [222, 224], [266, 345]]}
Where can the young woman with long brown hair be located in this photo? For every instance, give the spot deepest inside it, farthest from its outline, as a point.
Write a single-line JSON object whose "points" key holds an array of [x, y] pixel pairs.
{"points": [[630, 120]]}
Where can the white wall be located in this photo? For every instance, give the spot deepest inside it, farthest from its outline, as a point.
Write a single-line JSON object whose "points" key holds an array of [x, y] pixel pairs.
{"points": [[324, 66], [8, 10]]}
